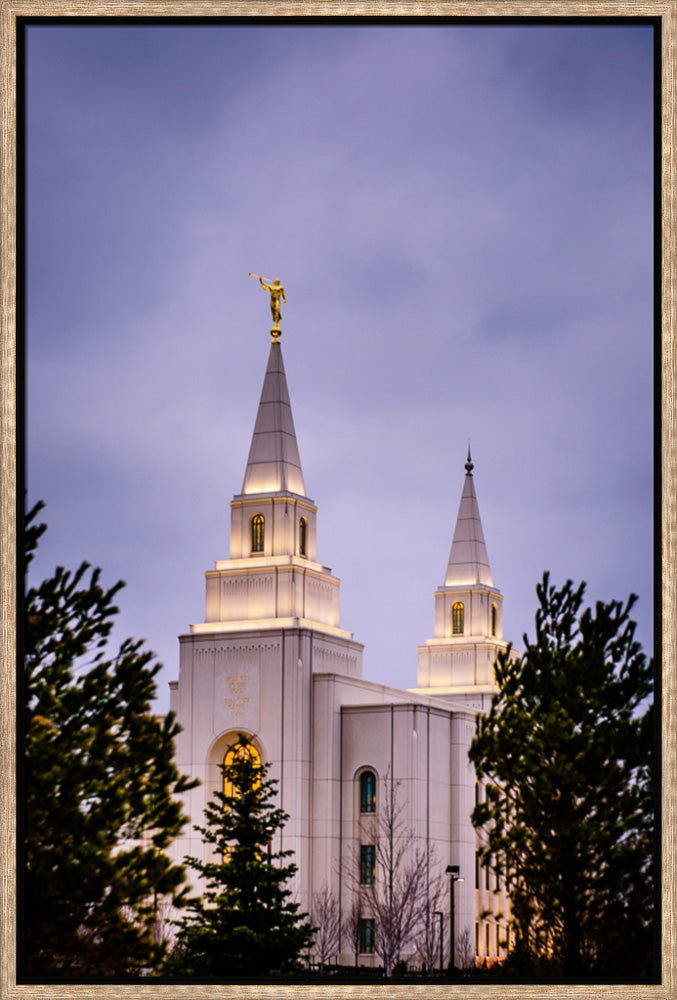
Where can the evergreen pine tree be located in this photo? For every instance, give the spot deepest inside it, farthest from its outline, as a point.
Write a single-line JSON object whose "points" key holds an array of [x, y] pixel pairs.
{"points": [[567, 752], [244, 924], [99, 786]]}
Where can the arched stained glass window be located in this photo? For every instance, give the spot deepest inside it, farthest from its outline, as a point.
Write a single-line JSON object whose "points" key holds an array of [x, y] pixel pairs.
{"points": [[240, 749], [303, 526], [367, 792], [457, 618], [493, 619], [258, 525]]}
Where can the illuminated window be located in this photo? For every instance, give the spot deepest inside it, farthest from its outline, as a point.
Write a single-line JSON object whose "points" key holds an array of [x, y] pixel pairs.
{"points": [[493, 619], [367, 936], [303, 524], [257, 532], [240, 750], [367, 864], [457, 615], [368, 792]]}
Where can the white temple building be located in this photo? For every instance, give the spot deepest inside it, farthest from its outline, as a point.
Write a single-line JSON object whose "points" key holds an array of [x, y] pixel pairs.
{"points": [[273, 661]]}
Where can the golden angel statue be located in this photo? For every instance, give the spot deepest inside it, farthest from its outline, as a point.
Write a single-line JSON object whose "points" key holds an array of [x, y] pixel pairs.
{"points": [[276, 293]]}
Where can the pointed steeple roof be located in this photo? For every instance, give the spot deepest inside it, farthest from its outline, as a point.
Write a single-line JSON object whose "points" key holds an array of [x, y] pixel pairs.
{"points": [[274, 465], [468, 559]]}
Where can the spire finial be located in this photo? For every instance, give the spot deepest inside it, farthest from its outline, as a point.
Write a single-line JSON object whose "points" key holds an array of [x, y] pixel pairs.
{"points": [[468, 561], [468, 465], [276, 293]]}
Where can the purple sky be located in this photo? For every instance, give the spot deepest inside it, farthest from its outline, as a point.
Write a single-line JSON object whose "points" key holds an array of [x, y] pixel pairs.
{"points": [[462, 220]]}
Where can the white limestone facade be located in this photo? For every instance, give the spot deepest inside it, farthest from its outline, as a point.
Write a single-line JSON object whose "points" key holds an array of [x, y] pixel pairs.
{"points": [[272, 660]]}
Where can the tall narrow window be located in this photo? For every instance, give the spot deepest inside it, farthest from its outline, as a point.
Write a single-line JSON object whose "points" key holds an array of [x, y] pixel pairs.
{"points": [[258, 525], [240, 750], [487, 939], [303, 524], [367, 927], [367, 864], [457, 616], [493, 619], [367, 792]]}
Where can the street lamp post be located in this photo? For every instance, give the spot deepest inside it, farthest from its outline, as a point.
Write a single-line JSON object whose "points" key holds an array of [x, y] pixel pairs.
{"points": [[453, 871], [438, 913]]}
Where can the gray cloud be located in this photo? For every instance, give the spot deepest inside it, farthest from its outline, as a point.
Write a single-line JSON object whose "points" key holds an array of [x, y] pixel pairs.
{"points": [[462, 220]]}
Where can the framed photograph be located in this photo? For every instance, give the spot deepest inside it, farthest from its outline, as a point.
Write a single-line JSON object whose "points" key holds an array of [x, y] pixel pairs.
{"points": [[344, 336]]}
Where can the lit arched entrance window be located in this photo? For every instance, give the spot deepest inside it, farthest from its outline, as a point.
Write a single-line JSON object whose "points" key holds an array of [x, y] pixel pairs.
{"points": [[303, 526], [367, 792], [493, 619], [258, 525], [457, 617], [241, 749]]}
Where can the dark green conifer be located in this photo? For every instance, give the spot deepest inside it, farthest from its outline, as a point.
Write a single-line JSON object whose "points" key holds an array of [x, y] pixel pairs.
{"points": [[245, 923], [99, 787], [567, 754]]}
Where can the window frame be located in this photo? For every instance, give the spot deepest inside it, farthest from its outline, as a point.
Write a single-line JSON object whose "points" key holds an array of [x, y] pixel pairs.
{"points": [[367, 936], [367, 797], [367, 864], [257, 533]]}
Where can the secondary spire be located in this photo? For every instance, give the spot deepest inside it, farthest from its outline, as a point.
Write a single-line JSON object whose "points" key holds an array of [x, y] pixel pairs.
{"points": [[468, 559]]}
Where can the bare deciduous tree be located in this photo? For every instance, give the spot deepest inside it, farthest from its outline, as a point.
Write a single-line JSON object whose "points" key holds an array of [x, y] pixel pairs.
{"points": [[351, 925], [326, 916], [465, 951], [429, 933]]}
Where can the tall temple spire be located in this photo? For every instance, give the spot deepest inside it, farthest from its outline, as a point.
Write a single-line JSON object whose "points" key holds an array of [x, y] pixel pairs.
{"points": [[272, 579], [468, 559], [274, 465]]}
